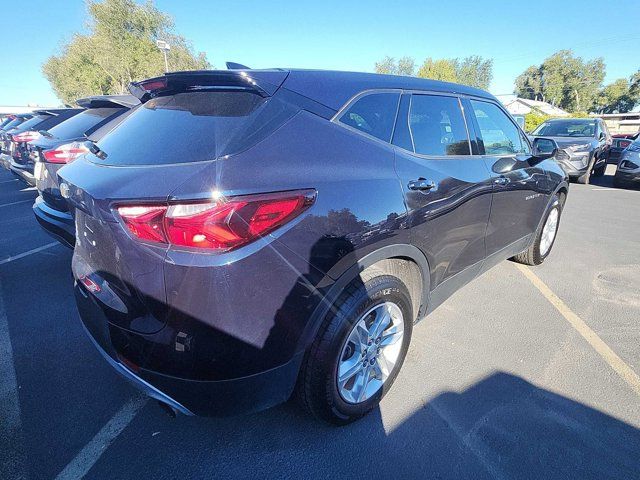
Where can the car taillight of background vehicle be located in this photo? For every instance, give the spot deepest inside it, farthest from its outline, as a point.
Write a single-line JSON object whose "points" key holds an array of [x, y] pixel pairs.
{"points": [[66, 153], [218, 226], [624, 143], [24, 137]]}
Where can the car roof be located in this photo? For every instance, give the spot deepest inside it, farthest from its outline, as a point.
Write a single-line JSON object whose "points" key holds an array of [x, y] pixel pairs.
{"points": [[331, 88], [564, 119], [335, 88]]}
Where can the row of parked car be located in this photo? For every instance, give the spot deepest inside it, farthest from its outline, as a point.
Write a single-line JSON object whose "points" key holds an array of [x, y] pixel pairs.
{"points": [[242, 235], [35, 146], [585, 147]]}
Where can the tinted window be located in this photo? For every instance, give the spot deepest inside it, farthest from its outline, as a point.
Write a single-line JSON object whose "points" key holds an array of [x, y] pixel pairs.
{"points": [[374, 114], [78, 124], [192, 127], [437, 126], [33, 122], [567, 128], [500, 135]]}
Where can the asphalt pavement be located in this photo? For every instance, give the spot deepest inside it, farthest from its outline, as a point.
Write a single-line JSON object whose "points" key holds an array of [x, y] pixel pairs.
{"points": [[524, 373]]}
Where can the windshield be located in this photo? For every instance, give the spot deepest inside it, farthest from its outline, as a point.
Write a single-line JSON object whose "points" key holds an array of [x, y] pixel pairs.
{"points": [[80, 123], [192, 127], [567, 128]]}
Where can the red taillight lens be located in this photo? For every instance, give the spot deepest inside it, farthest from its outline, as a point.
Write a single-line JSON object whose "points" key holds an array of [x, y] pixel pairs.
{"points": [[65, 153], [220, 226], [154, 84], [145, 222], [25, 136], [624, 143]]}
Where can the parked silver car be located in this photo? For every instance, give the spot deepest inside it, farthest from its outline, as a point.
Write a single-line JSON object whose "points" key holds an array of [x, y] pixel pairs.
{"points": [[583, 145]]}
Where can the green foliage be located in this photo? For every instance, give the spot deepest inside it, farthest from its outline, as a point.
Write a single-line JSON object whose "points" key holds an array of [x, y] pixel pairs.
{"points": [[389, 66], [474, 70], [443, 69], [118, 49], [533, 119], [620, 96], [564, 80]]}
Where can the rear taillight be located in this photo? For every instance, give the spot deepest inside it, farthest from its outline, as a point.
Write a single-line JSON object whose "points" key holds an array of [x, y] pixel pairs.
{"points": [[624, 143], [66, 153], [25, 136], [216, 226]]}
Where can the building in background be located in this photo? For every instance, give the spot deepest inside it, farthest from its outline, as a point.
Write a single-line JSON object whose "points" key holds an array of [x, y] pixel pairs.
{"points": [[622, 122], [522, 106]]}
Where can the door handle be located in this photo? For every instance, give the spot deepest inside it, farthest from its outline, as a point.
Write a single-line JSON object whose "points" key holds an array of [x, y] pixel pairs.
{"points": [[421, 184], [501, 180]]}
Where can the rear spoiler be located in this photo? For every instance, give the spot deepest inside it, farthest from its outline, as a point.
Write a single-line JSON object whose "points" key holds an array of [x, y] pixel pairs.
{"points": [[263, 82], [108, 101], [51, 111]]}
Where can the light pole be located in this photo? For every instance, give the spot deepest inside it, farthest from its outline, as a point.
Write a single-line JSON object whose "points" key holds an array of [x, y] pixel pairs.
{"points": [[165, 47]]}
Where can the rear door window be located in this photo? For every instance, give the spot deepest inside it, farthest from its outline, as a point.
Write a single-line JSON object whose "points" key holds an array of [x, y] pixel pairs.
{"points": [[78, 124], [500, 135], [373, 114], [437, 126], [192, 127]]}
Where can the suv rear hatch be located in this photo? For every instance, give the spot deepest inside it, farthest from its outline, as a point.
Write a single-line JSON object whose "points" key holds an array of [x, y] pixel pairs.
{"points": [[186, 123], [65, 141]]}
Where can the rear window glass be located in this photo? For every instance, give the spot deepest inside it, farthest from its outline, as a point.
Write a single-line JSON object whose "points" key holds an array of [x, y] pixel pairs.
{"points": [[192, 127], [78, 124], [12, 124], [374, 114], [33, 122]]}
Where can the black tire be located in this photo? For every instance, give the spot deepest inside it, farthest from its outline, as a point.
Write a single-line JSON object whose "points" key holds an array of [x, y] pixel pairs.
{"points": [[532, 255], [317, 388], [599, 171]]}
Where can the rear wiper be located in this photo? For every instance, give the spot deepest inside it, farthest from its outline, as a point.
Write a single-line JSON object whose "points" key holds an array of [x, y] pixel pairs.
{"points": [[93, 148], [45, 133]]}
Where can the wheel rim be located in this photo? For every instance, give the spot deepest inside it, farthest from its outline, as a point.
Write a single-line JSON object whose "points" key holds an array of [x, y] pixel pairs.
{"points": [[549, 232], [370, 352]]}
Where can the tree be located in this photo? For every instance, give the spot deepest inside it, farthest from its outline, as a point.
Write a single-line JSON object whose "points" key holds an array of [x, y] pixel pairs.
{"points": [[529, 84], [119, 48], [443, 69], [389, 66], [406, 66], [474, 71], [563, 80], [386, 66]]}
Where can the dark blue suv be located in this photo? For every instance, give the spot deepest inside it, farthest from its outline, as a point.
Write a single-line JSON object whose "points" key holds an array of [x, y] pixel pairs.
{"points": [[247, 234]]}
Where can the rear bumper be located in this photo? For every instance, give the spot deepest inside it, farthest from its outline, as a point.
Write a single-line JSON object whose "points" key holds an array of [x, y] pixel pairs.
{"points": [[23, 173], [60, 225], [627, 178], [5, 161], [192, 397]]}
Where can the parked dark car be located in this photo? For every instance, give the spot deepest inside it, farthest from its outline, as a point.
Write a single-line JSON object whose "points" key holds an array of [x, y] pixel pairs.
{"points": [[61, 145], [5, 143], [617, 147], [628, 171], [244, 234], [630, 136], [583, 145], [21, 162]]}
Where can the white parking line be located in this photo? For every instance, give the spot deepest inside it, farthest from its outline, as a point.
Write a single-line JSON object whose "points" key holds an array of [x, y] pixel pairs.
{"points": [[92, 451], [27, 253], [12, 467], [16, 203]]}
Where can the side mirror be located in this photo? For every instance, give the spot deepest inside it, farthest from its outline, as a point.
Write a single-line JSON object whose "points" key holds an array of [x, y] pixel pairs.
{"points": [[544, 148]]}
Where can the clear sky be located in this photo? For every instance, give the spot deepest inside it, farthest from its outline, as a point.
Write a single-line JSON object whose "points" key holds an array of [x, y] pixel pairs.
{"points": [[344, 35]]}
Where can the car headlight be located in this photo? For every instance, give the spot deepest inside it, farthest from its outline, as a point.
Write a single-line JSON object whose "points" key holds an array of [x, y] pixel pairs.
{"points": [[634, 147], [585, 147]]}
